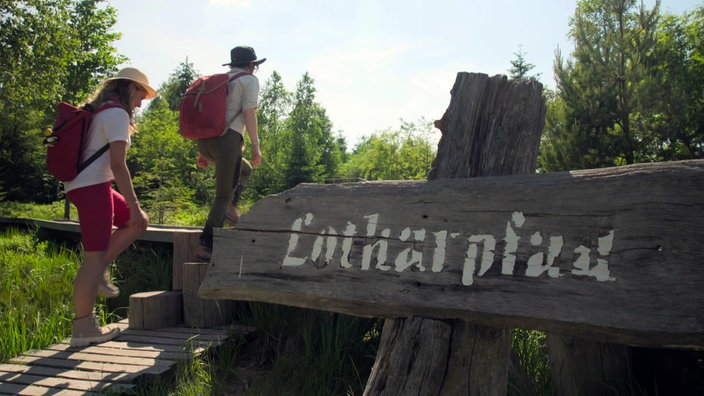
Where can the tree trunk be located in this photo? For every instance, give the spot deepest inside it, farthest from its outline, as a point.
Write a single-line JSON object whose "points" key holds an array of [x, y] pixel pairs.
{"points": [[586, 367], [422, 356], [492, 127]]}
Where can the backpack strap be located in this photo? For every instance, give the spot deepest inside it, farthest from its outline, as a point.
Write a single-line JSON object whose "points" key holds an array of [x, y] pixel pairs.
{"points": [[93, 157], [232, 119]]}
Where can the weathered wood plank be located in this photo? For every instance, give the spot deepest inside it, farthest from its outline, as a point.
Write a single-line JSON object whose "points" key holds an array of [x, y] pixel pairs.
{"points": [[85, 365], [62, 383], [21, 389], [148, 339], [95, 376], [172, 333], [153, 346], [109, 359], [611, 254], [101, 349]]}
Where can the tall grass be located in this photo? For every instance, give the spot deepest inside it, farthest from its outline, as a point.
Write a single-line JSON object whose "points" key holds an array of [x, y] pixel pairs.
{"points": [[36, 284], [532, 373], [312, 352]]}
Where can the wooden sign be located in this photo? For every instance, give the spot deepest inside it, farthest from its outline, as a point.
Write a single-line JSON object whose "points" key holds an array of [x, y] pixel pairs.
{"points": [[612, 254]]}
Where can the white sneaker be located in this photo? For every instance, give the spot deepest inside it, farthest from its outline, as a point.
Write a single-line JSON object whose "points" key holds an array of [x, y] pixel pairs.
{"points": [[86, 331]]}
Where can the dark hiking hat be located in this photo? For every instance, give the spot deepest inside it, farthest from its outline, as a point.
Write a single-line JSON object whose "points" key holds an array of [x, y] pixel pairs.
{"points": [[242, 55]]}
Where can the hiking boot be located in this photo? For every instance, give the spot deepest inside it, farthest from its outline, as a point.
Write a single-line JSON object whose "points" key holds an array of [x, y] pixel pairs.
{"points": [[106, 288], [203, 253], [232, 215], [86, 331]]}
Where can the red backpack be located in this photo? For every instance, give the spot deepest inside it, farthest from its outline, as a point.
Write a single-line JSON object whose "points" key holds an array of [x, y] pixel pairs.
{"points": [[203, 107], [66, 141]]}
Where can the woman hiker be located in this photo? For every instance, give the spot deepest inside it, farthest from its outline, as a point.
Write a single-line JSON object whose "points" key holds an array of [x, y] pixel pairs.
{"points": [[100, 207]]}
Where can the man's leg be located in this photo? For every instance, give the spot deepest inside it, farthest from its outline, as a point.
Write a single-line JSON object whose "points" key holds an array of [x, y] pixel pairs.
{"points": [[233, 213]]}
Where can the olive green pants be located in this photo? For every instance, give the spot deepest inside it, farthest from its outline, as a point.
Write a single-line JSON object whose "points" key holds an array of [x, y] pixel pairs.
{"points": [[231, 170]]}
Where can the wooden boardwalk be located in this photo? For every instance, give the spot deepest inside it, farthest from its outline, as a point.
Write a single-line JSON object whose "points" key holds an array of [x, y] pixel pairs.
{"points": [[112, 367], [139, 354], [71, 228]]}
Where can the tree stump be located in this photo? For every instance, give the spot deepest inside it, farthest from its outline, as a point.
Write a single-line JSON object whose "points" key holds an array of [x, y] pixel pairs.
{"points": [[492, 127]]}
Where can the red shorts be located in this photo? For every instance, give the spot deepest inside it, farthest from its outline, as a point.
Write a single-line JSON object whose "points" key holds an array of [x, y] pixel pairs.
{"points": [[99, 208]]}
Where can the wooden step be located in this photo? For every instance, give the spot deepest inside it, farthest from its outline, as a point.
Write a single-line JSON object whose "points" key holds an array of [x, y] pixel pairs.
{"points": [[155, 309]]}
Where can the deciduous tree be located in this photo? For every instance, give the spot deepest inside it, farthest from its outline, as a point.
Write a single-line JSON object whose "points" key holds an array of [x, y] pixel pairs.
{"points": [[403, 154], [52, 50]]}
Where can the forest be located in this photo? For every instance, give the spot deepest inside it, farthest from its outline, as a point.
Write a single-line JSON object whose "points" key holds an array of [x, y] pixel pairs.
{"points": [[631, 91]]}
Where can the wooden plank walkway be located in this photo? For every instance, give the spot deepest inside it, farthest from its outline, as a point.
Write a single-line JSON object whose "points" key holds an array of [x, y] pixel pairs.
{"points": [[154, 233], [114, 367]]}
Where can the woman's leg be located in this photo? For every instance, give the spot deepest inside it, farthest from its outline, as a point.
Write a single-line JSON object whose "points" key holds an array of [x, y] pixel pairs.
{"points": [[95, 212], [123, 236], [120, 240], [85, 285]]}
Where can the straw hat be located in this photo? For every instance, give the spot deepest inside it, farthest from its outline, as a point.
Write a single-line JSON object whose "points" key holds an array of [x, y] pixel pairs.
{"points": [[136, 75]]}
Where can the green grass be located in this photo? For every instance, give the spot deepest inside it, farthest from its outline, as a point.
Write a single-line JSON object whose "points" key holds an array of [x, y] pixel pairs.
{"points": [[36, 285], [52, 211], [35, 289], [530, 348], [312, 352], [194, 216]]}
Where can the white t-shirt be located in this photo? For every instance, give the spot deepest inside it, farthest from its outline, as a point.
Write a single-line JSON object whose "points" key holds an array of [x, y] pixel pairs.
{"points": [[243, 94], [110, 125]]}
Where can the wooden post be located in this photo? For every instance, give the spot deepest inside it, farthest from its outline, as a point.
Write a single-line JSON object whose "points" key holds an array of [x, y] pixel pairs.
{"points": [[185, 244], [155, 309], [587, 367], [492, 127], [198, 312]]}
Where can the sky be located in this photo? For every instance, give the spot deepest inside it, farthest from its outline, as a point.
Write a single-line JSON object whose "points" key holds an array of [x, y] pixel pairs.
{"points": [[374, 62]]}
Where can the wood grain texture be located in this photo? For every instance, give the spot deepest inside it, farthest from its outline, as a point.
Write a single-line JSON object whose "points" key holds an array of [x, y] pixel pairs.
{"points": [[198, 312], [651, 296], [155, 309], [491, 127], [184, 251]]}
